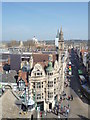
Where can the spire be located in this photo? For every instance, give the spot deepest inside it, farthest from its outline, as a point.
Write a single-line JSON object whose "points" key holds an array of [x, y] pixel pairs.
{"points": [[61, 29], [57, 35], [61, 35]]}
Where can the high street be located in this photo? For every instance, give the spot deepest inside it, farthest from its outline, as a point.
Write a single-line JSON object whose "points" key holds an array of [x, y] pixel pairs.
{"points": [[79, 106], [75, 83]]}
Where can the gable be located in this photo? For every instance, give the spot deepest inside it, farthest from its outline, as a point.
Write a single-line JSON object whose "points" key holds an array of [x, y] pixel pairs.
{"points": [[37, 71]]}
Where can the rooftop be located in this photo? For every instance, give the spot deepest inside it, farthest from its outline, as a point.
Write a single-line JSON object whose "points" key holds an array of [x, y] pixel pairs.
{"points": [[9, 107], [8, 78]]}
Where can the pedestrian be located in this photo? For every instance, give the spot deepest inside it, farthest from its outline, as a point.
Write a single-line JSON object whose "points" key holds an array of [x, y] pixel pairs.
{"points": [[57, 112], [64, 108], [40, 114], [68, 106], [31, 117], [60, 98], [45, 113], [68, 97], [67, 111], [71, 97], [61, 107], [59, 115]]}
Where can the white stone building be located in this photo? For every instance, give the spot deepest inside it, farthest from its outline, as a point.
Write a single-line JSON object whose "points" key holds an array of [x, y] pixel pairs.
{"points": [[47, 76]]}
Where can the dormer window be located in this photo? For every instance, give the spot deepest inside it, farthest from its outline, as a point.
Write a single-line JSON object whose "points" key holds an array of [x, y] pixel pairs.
{"points": [[38, 73]]}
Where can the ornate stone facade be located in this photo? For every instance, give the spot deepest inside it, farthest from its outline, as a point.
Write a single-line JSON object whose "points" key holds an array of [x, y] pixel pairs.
{"points": [[47, 78]]}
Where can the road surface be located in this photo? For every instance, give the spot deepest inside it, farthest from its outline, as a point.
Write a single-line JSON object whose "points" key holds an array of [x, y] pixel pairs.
{"points": [[79, 107]]}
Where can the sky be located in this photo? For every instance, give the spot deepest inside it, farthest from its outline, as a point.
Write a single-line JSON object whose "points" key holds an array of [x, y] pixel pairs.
{"points": [[23, 20]]}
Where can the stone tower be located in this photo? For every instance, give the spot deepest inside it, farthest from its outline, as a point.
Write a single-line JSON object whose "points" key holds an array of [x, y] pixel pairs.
{"points": [[61, 63], [60, 47]]}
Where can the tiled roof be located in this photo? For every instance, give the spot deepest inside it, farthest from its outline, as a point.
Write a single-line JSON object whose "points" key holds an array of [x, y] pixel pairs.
{"points": [[43, 59], [43, 64], [23, 75]]}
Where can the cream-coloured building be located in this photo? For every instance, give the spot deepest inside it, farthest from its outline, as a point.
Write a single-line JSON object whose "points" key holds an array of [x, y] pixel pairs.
{"points": [[46, 78]]}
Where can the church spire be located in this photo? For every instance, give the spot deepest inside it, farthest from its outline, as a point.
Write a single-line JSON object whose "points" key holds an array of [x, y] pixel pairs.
{"points": [[61, 40], [57, 35], [61, 29], [61, 35]]}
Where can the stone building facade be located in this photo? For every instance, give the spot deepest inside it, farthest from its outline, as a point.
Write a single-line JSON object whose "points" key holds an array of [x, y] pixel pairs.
{"points": [[46, 79]]}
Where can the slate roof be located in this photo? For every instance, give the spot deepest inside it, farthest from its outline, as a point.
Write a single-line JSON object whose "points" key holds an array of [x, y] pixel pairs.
{"points": [[8, 78], [4, 56]]}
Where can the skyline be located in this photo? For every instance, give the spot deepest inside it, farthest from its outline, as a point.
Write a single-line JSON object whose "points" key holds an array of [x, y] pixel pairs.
{"points": [[22, 21]]}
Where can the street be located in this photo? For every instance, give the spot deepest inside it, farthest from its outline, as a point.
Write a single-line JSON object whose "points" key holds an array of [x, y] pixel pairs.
{"points": [[75, 84], [78, 106]]}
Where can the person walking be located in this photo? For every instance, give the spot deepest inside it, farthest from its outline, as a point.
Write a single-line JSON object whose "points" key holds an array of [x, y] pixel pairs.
{"points": [[59, 115], [40, 114], [67, 111], [68, 106], [45, 113], [71, 97], [61, 109], [68, 97]]}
